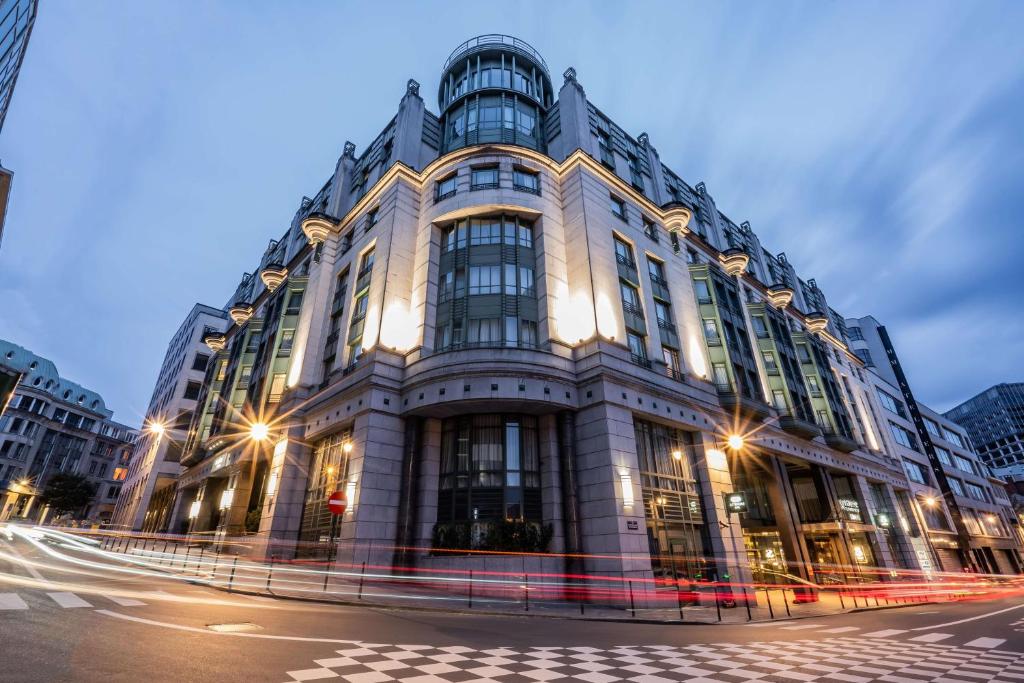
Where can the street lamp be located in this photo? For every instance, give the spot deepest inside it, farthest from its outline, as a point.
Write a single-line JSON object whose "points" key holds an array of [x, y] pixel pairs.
{"points": [[930, 501], [259, 431], [735, 442], [157, 428]]}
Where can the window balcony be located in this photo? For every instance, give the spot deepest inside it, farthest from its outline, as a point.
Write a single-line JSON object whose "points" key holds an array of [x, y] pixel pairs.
{"points": [[441, 196], [840, 442], [642, 361], [802, 428], [741, 405], [483, 186], [527, 188]]}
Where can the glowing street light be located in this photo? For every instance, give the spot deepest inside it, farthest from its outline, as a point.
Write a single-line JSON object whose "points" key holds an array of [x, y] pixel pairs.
{"points": [[930, 501], [347, 447], [735, 442], [157, 428], [677, 454], [259, 431]]}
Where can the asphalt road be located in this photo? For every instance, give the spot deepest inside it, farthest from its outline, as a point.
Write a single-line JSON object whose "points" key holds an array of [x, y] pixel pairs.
{"points": [[62, 621]]}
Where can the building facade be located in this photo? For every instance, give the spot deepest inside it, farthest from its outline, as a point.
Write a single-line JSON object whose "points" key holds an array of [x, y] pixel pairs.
{"points": [[148, 491], [511, 320], [963, 508], [994, 419], [16, 20], [54, 425]]}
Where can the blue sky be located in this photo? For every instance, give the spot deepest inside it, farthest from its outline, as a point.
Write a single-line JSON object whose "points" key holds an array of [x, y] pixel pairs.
{"points": [[157, 148]]}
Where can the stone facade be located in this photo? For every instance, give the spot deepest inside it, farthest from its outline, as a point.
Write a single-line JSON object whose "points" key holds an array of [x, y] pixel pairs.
{"points": [[509, 326]]}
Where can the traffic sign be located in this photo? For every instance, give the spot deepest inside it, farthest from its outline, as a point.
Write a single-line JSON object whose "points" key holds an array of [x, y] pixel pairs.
{"points": [[337, 503]]}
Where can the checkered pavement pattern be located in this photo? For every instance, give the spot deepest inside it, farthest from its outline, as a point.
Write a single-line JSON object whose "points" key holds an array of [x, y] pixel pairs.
{"points": [[845, 660]]}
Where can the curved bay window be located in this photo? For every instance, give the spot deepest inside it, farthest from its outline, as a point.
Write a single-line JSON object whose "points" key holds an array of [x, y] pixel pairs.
{"points": [[487, 294], [490, 470], [328, 473], [493, 118], [675, 519]]}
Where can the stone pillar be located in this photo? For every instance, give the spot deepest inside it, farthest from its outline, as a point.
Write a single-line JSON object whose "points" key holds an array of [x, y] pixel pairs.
{"points": [[787, 520], [428, 482], [368, 532], [725, 530], [283, 503], [572, 534], [408, 505], [551, 480], [610, 497]]}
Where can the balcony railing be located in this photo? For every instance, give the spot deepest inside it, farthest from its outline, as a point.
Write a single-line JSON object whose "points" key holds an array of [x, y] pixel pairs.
{"points": [[496, 40], [633, 310], [526, 188], [441, 196], [642, 361], [484, 186]]}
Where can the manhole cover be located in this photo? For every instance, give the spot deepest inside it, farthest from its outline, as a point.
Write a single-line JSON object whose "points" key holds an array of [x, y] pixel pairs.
{"points": [[234, 628]]}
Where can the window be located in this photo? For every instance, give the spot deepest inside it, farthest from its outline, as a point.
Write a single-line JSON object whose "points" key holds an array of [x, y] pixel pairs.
{"points": [[711, 331], [779, 399], [630, 299], [604, 144], [855, 334], [371, 217], [484, 280], [650, 229], [200, 361], [760, 327], [963, 464], [954, 484], [813, 386], [525, 181], [192, 390], [656, 269], [359, 308], [484, 178], [974, 491], [932, 428], [618, 207], [914, 472], [120, 473], [444, 188], [721, 376], [485, 331], [700, 288], [526, 286], [623, 253], [769, 362], [943, 456], [891, 404], [284, 349], [865, 356], [902, 436], [671, 359], [637, 347], [953, 437], [455, 237], [294, 302], [485, 231], [490, 469], [276, 388]]}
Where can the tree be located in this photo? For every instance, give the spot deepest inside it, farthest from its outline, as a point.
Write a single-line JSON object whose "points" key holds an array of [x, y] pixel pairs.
{"points": [[67, 492]]}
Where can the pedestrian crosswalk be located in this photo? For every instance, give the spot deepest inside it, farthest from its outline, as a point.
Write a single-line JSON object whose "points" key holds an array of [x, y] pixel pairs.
{"points": [[846, 659], [985, 643], [63, 600]]}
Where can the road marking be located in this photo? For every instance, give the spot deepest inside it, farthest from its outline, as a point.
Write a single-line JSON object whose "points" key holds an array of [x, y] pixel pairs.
{"points": [[841, 629], [762, 624], [25, 563], [964, 621], [125, 602], [932, 637], [800, 627], [885, 633], [11, 601], [67, 600], [987, 643], [192, 629]]}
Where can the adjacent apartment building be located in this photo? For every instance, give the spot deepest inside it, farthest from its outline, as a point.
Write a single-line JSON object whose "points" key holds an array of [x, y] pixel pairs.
{"points": [[965, 509], [54, 425], [510, 325], [148, 491]]}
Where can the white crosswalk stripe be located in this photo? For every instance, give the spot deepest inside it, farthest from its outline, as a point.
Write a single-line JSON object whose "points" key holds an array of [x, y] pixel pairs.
{"points": [[800, 627], [987, 643], [932, 637], [885, 633], [124, 602], [841, 629], [12, 601], [68, 600]]}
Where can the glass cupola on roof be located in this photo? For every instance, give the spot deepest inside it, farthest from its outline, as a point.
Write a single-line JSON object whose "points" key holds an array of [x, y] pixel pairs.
{"points": [[494, 89]]}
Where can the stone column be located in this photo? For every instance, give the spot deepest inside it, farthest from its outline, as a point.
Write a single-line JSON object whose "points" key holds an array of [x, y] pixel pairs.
{"points": [[551, 481], [283, 503], [787, 520], [725, 530], [429, 466], [408, 505]]}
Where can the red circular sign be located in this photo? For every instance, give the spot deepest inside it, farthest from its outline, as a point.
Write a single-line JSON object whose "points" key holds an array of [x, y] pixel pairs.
{"points": [[337, 503]]}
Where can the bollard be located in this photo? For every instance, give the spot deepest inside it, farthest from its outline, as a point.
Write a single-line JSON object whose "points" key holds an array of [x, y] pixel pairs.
{"points": [[632, 603], [199, 562], [785, 601], [361, 575], [768, 597], [746, 600], [270, 574], [470, 589], [679, 599], [842, 603], [231, 579], [327, 575], [184, 563], [718, 603], [526, 590]]}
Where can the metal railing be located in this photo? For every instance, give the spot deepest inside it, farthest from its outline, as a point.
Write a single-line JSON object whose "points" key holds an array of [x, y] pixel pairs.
{"points": [[495, 39]]}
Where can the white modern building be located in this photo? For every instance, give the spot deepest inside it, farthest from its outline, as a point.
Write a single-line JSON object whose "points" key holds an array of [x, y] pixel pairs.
{"points": [[148, 491]]}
